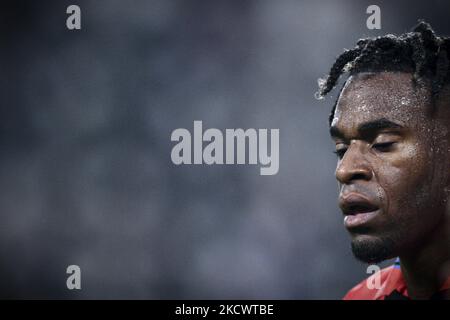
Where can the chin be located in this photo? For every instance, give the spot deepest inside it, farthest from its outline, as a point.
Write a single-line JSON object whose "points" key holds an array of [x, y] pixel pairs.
{"points": [[372, 249]]}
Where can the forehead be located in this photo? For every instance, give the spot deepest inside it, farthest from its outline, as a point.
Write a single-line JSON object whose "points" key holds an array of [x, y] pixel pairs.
{"points": [[389, 95]]}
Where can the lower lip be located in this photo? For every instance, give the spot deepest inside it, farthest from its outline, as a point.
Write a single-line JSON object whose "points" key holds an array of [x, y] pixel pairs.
{"points": [[359, 219]]}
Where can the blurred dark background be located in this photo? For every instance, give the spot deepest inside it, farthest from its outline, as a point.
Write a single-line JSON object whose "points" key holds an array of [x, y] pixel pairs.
{"points": [[85, 170]]}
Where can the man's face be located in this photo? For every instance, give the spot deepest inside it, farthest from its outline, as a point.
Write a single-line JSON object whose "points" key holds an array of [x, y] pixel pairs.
{"points": [[392, 164]]}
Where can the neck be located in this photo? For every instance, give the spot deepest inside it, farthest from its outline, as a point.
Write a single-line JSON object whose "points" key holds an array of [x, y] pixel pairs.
{"points": [[424, 269]]}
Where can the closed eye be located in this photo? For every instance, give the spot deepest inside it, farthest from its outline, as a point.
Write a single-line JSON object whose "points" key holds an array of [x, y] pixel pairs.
{"points": [[384, 146], [340, 152]]}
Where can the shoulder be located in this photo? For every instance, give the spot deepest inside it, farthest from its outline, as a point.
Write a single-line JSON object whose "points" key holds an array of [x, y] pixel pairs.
{"points": [[375, 287]]}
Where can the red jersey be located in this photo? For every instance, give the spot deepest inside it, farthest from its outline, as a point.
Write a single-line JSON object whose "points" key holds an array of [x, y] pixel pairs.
{"points": [[393, 287]]}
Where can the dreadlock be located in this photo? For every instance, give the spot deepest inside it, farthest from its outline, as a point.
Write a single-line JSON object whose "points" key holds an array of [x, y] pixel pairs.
{"points": [[419, 51]]}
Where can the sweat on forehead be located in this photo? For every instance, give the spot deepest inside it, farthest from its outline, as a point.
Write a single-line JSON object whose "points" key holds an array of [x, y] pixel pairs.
{"points": [[382, 94]]}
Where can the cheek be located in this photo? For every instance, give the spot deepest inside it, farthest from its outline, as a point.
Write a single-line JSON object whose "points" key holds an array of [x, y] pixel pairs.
{"points": [[405, 179]]}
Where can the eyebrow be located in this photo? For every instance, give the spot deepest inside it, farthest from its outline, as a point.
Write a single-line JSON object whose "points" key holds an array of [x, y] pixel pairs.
{"points": [[369, 126]]}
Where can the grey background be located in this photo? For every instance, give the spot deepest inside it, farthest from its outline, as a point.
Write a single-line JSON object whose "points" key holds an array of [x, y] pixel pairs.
{"points": [[85, 170]]}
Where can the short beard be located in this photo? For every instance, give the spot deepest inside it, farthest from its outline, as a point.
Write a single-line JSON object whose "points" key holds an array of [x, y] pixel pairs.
{"points": [[373, 250]]}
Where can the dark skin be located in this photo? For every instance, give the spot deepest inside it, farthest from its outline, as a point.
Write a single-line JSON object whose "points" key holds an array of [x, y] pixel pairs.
{"points": [[393, 173]]}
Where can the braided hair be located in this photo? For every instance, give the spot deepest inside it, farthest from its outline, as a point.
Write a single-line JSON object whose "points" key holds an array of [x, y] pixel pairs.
{"points": [[419, 51]]}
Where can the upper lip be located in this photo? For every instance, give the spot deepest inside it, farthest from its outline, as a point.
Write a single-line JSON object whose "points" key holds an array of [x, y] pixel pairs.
{"points": [[353, 203]]}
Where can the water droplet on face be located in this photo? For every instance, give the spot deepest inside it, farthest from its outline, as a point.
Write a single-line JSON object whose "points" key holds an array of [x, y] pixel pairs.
{"points": [[404, 101]]}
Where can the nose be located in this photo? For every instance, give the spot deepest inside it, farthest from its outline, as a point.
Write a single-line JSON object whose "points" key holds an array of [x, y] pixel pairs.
{"points": [[353, 166]]}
